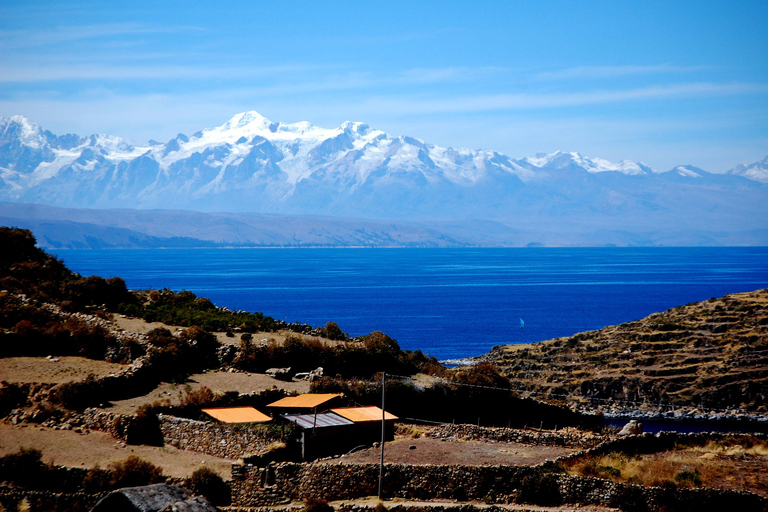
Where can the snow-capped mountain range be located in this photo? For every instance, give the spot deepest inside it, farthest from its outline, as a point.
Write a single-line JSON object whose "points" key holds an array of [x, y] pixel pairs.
{"points": [[250, 164]]}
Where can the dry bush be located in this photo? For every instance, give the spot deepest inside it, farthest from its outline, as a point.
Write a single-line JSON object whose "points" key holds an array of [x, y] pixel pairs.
{"points": [[134, 472], [144, 428], [410, 431], [199, 397], [317, 505], [275, 445], [746, 446], [205, 481]]}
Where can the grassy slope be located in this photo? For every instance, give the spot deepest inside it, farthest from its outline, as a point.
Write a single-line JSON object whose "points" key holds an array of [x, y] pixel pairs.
{"points": [[711, 354]]}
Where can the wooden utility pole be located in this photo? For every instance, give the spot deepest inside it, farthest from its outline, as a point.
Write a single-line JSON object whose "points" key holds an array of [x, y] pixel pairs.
{"points": [[383, 418]]}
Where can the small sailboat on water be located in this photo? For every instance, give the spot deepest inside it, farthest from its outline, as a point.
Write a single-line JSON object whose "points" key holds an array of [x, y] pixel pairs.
{"points": [[522, 323]]}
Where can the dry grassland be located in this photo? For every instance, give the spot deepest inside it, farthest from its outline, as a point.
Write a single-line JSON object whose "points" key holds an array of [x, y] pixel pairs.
{"points": [[738, 466], [86, 450]]}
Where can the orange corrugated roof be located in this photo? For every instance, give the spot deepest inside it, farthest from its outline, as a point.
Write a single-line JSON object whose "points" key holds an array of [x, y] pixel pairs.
{"points": [[362, 414], [237, 415], [307, 400]]}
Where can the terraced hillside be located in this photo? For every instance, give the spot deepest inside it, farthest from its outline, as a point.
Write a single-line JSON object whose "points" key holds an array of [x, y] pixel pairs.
{"points": [[711, 355]]}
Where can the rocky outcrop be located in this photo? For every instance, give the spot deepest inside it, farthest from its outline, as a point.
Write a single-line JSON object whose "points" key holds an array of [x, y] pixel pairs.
{"points": [[632, 428]]}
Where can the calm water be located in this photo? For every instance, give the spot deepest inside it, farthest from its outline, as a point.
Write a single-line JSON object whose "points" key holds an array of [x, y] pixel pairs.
{"points": [[450, 303]]}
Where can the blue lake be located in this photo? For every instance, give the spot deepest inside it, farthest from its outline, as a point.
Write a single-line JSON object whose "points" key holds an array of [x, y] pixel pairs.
{"points": [[450, 303]]}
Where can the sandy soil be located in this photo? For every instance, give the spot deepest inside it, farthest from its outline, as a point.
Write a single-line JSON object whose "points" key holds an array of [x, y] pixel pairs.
{"points": [[441, 451], [66, 369], [69, 448], [138, 325], [218, 381]]}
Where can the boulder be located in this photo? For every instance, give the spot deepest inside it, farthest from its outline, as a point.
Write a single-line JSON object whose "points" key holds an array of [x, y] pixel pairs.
{"points": [[632, 428]]}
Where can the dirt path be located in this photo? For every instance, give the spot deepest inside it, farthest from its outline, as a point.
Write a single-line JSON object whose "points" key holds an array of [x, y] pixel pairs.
{"points": [[440, 451], [69, 448], [54, 370]]}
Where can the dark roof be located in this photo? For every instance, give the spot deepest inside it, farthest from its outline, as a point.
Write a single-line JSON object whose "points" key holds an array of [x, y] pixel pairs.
{"points": [[196, 504], [152, 498], [322, 420]]}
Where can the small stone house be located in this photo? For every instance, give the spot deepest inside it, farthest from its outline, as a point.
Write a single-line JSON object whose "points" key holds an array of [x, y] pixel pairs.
{"points": [[153, 498], [307, 403], [340, 430], [237, 415]]}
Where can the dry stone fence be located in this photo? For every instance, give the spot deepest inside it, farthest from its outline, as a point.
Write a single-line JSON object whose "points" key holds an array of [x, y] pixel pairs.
{"points": [[287, 481], [219, 440]]}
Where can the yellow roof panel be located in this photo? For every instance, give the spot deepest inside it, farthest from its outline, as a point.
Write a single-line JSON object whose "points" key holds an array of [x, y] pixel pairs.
{"points": [[362, 414], [307, 400], [237, 415]]}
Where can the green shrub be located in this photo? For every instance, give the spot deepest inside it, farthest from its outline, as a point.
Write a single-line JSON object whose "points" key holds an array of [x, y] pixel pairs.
{"points": [[206, 482], [688, 478], [333, 332]]}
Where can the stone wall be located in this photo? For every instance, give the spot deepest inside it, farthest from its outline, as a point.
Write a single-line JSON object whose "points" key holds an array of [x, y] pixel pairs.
{"points": [[566, 437], [348, 481], [254, 487], [219, 440], [12, 498], [492, 484]]}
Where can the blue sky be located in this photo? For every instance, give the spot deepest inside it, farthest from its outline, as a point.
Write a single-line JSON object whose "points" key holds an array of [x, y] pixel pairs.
{"points": [[667, 82]]}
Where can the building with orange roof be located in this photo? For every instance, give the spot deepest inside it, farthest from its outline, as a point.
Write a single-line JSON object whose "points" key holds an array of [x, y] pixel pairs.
{"points": [[306, 403], [237, 415]]}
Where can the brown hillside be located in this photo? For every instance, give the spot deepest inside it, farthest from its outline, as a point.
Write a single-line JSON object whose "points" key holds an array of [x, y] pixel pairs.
{"points": [[710, 355]]}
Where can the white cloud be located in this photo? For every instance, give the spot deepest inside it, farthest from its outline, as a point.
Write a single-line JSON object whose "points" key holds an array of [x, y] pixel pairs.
{"points": [[54, 37], [592, 72], [506, 102], [92, 71]]}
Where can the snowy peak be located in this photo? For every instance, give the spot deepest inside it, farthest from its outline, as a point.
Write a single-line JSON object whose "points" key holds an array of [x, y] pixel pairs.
{"points": [[21, 129], [689, 171], [561, 160], [251, 163], [757, 171], [251, 118]]}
